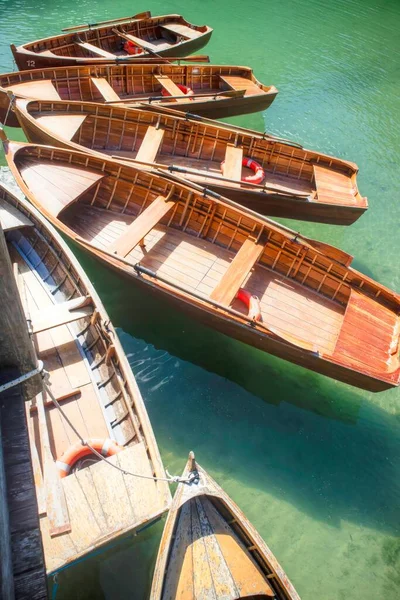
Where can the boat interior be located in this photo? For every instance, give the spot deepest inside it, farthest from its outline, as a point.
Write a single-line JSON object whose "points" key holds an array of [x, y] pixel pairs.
{"points": [[210, 535], [305, 296], [135, 82], [203, 150], [156, 34], [88, 381]]}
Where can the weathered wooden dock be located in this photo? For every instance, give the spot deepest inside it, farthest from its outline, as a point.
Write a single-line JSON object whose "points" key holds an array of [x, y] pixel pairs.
{"points": [[22, 571]]}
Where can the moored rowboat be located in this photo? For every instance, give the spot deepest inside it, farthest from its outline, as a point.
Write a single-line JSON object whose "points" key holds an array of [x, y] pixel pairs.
{"points": [[130, 40], [209, 549], [218, 91], [302, 300], [295, 182], [83, 504]]}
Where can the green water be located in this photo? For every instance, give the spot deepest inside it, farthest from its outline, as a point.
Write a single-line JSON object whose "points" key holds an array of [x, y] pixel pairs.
{"points": [[312, 462]]}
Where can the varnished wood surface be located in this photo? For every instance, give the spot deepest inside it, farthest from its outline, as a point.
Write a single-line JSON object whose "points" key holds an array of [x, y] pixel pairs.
{"points": [[305, 288], [91, 378], [138, 83], [298, 182], [210, 551], [102, 44]]}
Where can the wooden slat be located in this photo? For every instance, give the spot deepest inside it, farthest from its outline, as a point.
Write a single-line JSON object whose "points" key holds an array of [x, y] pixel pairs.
{"points": [[233, 162], [95, 50], [12, 218], [61, 314], [64, 126], [139, 42], [150, 145], [141, 226], [105, 89], [170, 86], [238, 270]]}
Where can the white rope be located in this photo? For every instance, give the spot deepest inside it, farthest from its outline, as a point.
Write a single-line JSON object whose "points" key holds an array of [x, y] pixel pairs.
{"points": [[22, 378], [168, 479]]}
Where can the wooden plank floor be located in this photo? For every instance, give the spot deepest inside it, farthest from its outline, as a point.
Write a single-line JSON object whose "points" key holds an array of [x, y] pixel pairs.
{"points": [[69, 376], [199, 265]]}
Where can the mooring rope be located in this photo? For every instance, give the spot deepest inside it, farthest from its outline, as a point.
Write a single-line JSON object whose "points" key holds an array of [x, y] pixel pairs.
{"points": [[168, 479]]}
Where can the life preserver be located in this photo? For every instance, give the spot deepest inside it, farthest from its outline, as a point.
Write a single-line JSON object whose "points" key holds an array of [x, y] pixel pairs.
{"points": [[259, 173], [131, 48], [106, 447], [186, 90], [252, 303]]}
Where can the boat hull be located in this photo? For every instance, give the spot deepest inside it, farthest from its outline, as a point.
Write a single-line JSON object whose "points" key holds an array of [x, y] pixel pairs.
{"points": [[245, 332]]}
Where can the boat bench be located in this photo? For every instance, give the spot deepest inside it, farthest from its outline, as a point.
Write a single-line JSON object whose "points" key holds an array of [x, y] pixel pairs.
{"points": [[241, 265], [11, 218], [241, 83], [233, 163], [141, 226], [369, 334], [138, 41], [95, 50], [105, 89], [42, 89], [333, 187], [61, 314], [171, 87], [182, 30], [150, 145]]}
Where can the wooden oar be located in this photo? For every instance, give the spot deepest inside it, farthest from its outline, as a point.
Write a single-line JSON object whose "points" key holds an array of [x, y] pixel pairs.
{"points": [[235, 128], [227, 93], [196, 58], [138, 17], [207, 175]]}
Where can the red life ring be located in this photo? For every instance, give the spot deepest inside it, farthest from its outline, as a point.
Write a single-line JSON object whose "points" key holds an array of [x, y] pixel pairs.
{"points": [[186, 90], [106, 447], [252, 303], [131, 48], [259, 173]]}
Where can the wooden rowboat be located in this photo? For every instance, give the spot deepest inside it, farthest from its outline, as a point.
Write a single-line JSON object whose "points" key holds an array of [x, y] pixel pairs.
{"points": [[167, 35], [92, 382], [209, 549], [199, 251], [218, 91], [296, 182]]}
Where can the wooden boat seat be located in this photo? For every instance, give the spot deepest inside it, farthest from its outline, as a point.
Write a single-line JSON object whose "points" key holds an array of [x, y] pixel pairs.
{"points": [[150, 145], [238, 270], [141, 43], [333, 187], [58, 186], [95, 50], [182, 30], [12, 218], [64, 125], [105, 89], [233, 162], [369, 334], [42, 89], [171, 87], [141, 226], [61, 314], [241, 83]]}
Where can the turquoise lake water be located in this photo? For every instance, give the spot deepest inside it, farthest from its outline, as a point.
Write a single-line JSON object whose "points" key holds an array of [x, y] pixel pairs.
{"points": [[312, 462]]}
